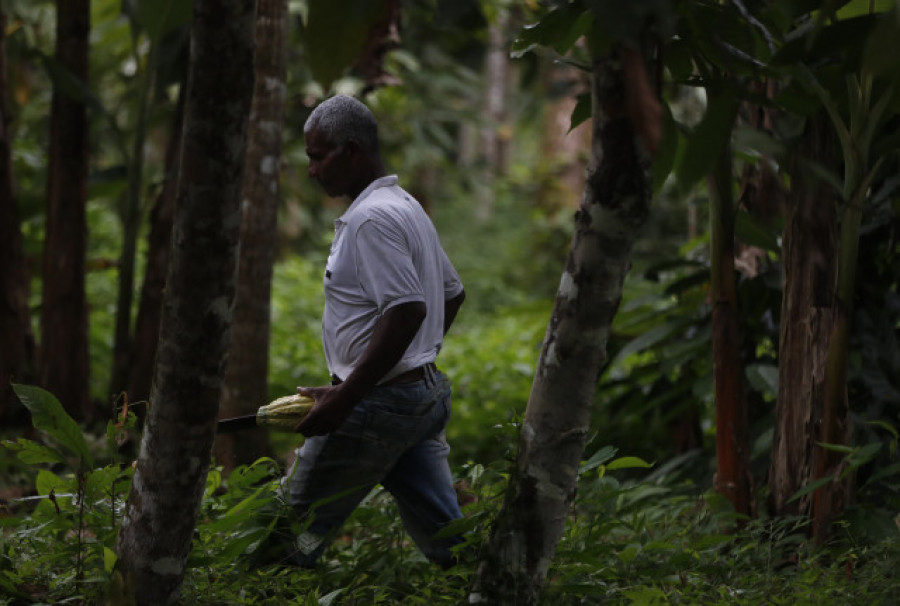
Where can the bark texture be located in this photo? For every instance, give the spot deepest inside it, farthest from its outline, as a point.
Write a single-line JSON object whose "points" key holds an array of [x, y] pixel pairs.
{"points": [[807, 320], [16, 345], [246, 388], [171, 469], [616, 204], [63, 352]]}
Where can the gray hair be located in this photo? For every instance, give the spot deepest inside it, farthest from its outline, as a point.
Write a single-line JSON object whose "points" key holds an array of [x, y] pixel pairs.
{"points": [[342, 118]]}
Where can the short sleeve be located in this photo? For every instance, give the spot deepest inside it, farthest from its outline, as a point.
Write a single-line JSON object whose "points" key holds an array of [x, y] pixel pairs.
{"points": [[384, 265]]}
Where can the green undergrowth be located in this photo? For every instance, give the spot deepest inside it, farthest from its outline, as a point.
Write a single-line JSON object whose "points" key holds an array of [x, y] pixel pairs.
{"points": [[636, 534]]}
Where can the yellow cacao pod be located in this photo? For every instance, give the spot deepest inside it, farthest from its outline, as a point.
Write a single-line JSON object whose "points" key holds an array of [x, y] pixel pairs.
{"points": [[284, 413]]}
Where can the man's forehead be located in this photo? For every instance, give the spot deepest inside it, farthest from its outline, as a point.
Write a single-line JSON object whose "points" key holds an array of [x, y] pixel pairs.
{"points": [[318, 140]]}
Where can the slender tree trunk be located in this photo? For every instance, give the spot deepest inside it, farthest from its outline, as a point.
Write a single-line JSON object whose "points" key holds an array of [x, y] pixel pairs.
{"points": [[489, 146], [64, 349], [807, 319], [168, 483], [246, 387], [16, 344], [146, 328], [616, 204], [732, 445], [494, 146]]}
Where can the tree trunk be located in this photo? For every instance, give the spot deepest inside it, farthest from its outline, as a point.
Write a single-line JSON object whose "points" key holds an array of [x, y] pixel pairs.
{"points": [[16, 344], [616, 204], [170, 475], [146, 328], [494, 146], [732, 443], [245, 387], [64, 349], [807, 319]]}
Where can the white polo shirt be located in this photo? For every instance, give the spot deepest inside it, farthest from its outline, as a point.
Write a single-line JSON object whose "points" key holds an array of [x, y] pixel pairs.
{"points": [[385, 252]]}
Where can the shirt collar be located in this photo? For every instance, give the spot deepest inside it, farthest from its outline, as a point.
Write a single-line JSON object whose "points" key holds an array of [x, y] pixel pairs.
{"points": [[386, 181]]}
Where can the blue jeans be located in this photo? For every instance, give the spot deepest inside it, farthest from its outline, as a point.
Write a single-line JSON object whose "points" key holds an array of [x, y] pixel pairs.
{"points": [[395, 437]]}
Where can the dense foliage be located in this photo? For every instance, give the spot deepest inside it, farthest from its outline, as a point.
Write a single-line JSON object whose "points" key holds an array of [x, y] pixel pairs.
{"points": [[657, 539]]}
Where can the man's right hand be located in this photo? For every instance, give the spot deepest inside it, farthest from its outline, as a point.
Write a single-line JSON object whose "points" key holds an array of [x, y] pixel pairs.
{"points": [[333, 406]]}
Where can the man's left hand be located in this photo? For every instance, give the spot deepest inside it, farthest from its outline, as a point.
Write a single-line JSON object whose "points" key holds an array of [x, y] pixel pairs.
{"points": [[333, 406]]}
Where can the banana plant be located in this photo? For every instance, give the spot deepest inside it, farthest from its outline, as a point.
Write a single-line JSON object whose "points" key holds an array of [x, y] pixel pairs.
{"points": [[867, 105]]}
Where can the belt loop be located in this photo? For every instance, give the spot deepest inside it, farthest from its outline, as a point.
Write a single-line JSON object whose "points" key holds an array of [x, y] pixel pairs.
{"points": [[430, 378]]}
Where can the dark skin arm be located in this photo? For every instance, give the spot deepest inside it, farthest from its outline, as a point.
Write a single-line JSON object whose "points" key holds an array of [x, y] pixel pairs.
{"points": [[452, 306], [392, 336]]}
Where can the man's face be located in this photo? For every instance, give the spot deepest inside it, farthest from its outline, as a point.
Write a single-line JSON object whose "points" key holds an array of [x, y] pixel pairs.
{"points": [[327, 164]]}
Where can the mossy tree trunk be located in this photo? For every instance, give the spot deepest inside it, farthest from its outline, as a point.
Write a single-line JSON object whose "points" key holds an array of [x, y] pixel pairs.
{"points": [[246, 387], [615, 205], [170, 475]]}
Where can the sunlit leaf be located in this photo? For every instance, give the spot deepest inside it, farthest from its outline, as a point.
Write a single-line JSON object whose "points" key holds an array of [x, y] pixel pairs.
{"points": [[628, 463], [47, 482], [598, 458], [109, 559]]}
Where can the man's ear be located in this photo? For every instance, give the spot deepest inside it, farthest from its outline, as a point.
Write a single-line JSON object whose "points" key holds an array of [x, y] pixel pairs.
{"points": [[353, 148]]}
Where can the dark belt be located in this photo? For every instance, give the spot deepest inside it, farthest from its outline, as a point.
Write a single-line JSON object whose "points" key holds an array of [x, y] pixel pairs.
{"points": [[410, 376]]}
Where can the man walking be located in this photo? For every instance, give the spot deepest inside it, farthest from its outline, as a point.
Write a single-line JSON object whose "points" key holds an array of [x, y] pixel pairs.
{"points": [[391, 294]]}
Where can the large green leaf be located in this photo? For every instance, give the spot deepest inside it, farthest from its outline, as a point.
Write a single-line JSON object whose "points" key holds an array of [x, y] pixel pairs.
{"points": [[335, 33], [48, 415]]}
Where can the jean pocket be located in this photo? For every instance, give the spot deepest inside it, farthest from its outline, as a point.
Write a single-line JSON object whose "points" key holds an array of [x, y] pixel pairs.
{"points": [[386, 434]]}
